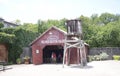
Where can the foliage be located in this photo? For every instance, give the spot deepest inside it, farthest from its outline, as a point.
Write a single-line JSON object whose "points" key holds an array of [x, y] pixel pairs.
{"points": [[18, 22], [18, 61], [29, 26], [116, 57], [97, 57], [98, 31], [8, 30], [90, 58], [104, 56], [41, 26], [26, 57], [1, 25], [17, 38], [44, 25], [6, 38], [9, 40], [24, 37], [94, 58], [106, 18], [102, 31]]}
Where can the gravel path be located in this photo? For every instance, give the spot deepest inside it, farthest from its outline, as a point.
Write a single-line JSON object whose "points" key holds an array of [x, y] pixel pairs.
{"points": [[95, 68]]}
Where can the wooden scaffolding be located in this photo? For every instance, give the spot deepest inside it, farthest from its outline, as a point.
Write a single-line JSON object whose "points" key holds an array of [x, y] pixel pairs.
{"points": [[73, 39]]}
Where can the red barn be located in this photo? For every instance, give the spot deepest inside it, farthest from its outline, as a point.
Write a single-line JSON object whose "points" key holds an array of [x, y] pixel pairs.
{"points": [[50, 41]]}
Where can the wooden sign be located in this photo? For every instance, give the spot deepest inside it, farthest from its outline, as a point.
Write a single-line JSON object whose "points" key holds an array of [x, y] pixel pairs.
{"points": [[52, 39]]}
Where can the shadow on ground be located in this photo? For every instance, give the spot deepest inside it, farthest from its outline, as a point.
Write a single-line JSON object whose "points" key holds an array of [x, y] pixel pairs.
{"points": [[81, 67], [5, 69]]}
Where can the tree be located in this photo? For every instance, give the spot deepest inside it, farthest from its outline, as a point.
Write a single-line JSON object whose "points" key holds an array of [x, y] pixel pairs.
{"points": [[18, 22], [95, 19], [95, 35], [105, 18], [8, 30], [1, 25], [41, 26]]}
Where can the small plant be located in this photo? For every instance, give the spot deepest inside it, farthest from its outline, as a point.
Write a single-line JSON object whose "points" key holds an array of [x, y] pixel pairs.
{"points": [[104, 56], [93, 58], [116, 57], [90, 58], [26, 59], [97, 58], [10, 63], [18, 61]]}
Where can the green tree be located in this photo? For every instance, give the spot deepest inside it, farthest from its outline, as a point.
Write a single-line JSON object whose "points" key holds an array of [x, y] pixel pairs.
{"points": [[1, 25], [41, 26], [105, 18]]}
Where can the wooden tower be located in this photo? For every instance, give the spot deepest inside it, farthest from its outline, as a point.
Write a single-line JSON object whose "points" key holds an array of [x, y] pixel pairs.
{"points": [[73, 39]]}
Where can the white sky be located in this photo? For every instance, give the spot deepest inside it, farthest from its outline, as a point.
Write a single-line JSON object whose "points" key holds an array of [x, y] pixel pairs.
{"points": [[32, 10]]}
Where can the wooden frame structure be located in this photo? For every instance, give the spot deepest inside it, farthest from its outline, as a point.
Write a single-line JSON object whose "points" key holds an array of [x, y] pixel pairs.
{"points": [[73, 39]]}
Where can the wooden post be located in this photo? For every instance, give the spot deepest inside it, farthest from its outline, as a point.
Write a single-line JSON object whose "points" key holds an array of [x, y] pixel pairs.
{"points": [[85, 57], [68, 57], [81, 56], [78, 56], [64, 54]]}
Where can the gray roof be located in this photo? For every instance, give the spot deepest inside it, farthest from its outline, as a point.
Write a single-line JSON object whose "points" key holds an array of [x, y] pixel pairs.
{"points": [[10, 23]]}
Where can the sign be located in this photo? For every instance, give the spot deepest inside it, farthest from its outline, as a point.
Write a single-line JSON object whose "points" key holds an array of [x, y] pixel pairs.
{"points": [[37, 51], [52, 39]]}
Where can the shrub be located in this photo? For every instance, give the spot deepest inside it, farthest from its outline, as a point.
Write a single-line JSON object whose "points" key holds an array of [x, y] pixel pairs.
{"points": [[97, 57], [90, 58], [10, 63], [18, 61], [94, 58], [116, 57], [104, 56], [26, 57]]}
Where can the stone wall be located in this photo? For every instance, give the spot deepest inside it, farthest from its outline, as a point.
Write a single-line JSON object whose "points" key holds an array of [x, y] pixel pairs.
{"points": [[109, 50]]}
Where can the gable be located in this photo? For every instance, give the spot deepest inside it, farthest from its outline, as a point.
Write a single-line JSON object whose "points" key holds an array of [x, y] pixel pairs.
{"points": [[52, 35]]}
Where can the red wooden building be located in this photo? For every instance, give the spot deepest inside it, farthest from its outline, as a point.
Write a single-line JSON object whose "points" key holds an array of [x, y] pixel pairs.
{"points": [[50, 41]]}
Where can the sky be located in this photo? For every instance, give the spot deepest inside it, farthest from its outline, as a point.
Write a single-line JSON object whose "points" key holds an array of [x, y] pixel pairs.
{"points": [[29, 11]]}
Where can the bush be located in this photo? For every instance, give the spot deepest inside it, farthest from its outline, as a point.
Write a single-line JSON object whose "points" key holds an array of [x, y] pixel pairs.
{"points": [[94, 58], [103, 56], [10, 63], [116, 57], [97, 58], [26, 57], [18, 61], [90, 58]]}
